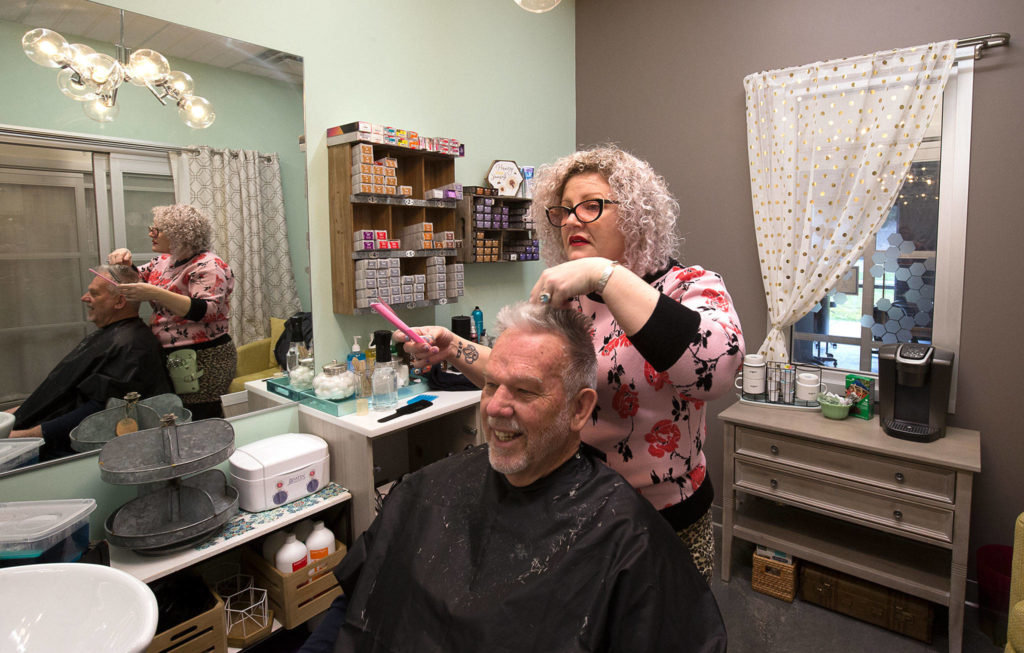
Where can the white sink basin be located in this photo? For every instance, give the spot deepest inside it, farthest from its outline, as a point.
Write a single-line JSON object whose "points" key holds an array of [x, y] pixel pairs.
{"points": [[74, 607], [6, 424]]}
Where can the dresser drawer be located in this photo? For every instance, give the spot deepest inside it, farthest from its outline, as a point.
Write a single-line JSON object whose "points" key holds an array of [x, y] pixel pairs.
{"points": [[879, 471], [846, 501]]}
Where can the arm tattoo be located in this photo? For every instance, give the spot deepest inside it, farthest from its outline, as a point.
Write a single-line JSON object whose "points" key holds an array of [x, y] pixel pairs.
{"points": [[468, 353]]}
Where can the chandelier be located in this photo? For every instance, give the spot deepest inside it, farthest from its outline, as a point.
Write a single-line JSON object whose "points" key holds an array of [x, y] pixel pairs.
{"points": [[94, 78], [538, 6]]}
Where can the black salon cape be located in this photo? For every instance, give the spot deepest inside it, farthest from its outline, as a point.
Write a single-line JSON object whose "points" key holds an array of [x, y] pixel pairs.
{"points": [[459, 560], [110, 362]]}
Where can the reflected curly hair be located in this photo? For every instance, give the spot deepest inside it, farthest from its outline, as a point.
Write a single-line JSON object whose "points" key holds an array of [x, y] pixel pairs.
{"points": [[187, 228], [647, 210]]}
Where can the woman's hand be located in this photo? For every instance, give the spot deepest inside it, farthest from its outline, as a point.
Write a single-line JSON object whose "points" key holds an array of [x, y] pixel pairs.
{"points": [[140, 292], [120, 256], [438, 347], [570, 279]]}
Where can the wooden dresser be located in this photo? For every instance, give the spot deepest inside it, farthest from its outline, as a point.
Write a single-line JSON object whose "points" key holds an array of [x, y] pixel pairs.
{"points": [[849, 497]]}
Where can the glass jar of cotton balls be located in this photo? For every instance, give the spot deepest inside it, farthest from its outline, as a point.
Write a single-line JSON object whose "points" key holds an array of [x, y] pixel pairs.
{"points": [[301, 376], [335, 382]]}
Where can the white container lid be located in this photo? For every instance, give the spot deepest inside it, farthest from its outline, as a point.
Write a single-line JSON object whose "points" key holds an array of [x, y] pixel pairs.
{"points": [[14, 452], [38, 525], [279, 454]]}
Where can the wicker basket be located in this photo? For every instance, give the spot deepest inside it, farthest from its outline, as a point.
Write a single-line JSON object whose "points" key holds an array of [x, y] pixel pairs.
{"points": [[774, 578]]}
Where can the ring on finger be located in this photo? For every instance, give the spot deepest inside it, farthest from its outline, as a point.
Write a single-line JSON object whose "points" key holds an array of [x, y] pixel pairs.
{"points": [[545, 297]]}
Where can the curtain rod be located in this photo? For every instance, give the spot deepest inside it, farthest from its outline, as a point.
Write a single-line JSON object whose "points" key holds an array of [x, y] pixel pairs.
{"points": [[73, 141], [979, 43]]}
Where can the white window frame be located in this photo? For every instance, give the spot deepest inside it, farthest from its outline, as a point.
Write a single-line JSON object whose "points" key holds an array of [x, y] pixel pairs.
{"points": [[950, 254]]}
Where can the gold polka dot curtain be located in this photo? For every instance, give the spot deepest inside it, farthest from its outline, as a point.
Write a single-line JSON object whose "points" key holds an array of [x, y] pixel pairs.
{"points": [[829, 145]]}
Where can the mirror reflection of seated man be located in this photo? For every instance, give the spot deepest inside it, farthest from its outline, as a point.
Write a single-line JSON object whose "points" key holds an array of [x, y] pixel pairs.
{"points": [[122, 355], [527, 543]]}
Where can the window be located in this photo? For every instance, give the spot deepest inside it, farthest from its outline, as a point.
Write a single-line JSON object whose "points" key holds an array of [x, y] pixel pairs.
{"points": [[908, 284], [61, 211]]}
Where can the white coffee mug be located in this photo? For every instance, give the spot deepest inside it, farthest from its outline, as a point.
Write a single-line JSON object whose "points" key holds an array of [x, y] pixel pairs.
{"points": [[809, 391]]}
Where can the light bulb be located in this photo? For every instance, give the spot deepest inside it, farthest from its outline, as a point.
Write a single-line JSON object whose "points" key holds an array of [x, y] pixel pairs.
{"points": [[538, 6], [103, 70], [78, 54], [196, 112], [75, 86], [147, 67], [181, 83], [45, 47], [102, 109]]}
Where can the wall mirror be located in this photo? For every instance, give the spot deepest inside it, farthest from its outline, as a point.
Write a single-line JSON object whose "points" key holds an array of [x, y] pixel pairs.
{"points": [[89, 186]]}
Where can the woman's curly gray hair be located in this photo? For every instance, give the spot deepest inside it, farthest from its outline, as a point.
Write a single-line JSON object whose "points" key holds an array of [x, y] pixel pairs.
{"points": [[647, 210], [187, 228]]}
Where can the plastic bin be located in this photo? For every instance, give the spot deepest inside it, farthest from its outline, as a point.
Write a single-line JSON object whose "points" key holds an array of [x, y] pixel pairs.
{"points": [[19, 452], [44, 531], [994, 563]]}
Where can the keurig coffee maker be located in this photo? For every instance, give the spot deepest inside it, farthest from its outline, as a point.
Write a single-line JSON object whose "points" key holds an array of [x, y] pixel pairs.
{"points": [[913, 387]]}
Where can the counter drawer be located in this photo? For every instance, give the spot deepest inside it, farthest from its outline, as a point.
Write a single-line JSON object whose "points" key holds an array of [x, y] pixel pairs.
{"points": [[879, 471], [845, 501]]}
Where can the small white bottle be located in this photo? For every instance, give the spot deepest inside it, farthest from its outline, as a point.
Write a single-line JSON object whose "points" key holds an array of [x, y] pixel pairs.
{"points": [[292, 556], [303, 529], [272, 543], [320, 544]]}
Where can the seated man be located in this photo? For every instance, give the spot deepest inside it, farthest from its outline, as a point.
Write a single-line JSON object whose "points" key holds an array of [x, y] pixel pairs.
{"points": [[121, 356], [528, 543]]}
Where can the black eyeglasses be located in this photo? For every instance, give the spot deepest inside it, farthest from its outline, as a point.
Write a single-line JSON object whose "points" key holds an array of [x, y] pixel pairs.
{"points": [[585, 211]]}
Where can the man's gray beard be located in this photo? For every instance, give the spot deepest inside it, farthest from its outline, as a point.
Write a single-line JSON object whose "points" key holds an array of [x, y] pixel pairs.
{"points": [[543, 444]]}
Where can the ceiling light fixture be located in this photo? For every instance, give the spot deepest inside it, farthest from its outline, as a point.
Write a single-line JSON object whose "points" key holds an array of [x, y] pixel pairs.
{"points": [[93, 78], [538, 6]]}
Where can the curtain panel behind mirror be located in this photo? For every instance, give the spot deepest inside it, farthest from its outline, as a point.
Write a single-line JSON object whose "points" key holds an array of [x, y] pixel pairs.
{"points": [[829, 146]]}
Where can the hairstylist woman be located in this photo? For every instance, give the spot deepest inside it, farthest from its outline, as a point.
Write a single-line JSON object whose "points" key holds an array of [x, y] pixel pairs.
{"points": [[189, 289], [667, 336]]}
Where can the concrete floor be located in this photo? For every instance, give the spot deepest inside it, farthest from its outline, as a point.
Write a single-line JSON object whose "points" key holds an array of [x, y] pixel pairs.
{"points": [[760, 623]]}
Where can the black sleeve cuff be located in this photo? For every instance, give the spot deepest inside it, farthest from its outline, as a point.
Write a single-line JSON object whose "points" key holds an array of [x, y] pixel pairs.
{"points": [[667, 333], [197, 311]]}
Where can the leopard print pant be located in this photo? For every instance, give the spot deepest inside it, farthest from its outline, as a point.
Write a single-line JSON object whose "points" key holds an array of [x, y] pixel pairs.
{"points": [[699, 537], [218, 366]]}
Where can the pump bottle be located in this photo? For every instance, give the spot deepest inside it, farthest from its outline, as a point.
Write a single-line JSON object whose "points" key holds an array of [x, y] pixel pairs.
{"points": [[355, 354], [384, 379]]}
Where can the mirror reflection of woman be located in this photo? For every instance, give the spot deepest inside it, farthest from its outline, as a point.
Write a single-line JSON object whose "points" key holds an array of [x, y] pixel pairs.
{"points": [[667, 336], [189, 288]]}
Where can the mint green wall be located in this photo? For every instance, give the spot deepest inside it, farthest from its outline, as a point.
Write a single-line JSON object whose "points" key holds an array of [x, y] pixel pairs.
{"points": [[500, 79], [496, 77], [80, 478], [253, 113]]}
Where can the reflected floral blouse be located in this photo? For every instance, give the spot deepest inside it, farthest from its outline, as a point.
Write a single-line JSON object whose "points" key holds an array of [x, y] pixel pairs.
{"points": [[208, 281]]}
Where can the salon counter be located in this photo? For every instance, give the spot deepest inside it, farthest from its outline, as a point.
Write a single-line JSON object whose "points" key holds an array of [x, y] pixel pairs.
{"points": [[367, 455]]}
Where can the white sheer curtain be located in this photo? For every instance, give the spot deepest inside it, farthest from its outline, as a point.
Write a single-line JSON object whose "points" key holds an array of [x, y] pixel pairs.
{"points": [[829, 145], [241, 192]]}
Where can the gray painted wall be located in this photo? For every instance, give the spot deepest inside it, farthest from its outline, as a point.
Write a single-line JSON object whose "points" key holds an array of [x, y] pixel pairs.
{"points": [[663, 78]]}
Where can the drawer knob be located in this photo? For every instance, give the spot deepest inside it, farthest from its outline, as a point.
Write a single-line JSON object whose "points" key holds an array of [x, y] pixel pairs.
{"points": [[774, 484], [897, 515], [774, 449], [900, 477]]}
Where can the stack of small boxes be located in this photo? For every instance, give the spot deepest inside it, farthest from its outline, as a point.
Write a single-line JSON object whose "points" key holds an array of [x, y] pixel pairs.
{"points": [[455, 280], [377, 278], [370, 239], [487, 215], [452, 191], [374, 133], [485, 250], [437, 280], [421, 235], [370, 177], [522, 249]]}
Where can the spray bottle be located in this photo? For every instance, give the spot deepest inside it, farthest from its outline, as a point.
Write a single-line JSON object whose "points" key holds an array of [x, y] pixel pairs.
{"points": [[478, 322]]}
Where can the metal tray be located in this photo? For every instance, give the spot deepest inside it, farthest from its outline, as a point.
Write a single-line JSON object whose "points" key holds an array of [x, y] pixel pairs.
{"points": [[183, 513], [165, 453], [99, 428]]}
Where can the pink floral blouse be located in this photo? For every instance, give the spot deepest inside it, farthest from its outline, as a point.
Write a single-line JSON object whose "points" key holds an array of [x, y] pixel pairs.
{"points": [[204, 277], [652, 388]]}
